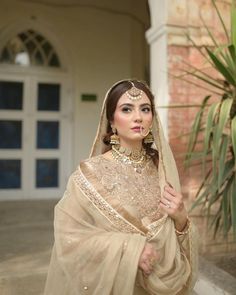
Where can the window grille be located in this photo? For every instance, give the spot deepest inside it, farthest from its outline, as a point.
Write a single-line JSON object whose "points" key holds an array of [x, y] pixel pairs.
{"points": [[30, 48]]}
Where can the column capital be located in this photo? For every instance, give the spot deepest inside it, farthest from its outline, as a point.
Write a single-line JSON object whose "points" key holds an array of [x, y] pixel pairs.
{"points": [[155, 33]]}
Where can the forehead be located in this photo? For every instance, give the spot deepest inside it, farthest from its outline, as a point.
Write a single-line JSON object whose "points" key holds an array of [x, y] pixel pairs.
{"points": [[124, 99]]}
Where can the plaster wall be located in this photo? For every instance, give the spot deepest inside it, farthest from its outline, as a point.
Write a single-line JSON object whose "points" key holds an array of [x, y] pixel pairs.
{"points": [[98, 44]]}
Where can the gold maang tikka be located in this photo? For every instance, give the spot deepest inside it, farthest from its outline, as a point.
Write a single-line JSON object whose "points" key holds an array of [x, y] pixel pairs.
{"points": [[134, 93]]}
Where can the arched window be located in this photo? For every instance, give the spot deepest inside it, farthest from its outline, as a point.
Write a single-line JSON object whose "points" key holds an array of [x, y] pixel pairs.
{"points": [[29, 48]]}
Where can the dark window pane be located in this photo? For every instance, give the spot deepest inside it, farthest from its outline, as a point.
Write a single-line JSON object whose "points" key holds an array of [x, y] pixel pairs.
{"points": [[5, 56], [30, 46], [39, 38], [23, 37], [38, 58], [48, 97], [10, 134], [54, 61], [11, 95], [47, 173], [10, 174], [47, 134], [47, 48]]}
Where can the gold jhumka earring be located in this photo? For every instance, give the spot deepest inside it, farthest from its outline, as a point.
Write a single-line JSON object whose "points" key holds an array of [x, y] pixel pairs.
{"points": [[149, 138], [114, 139], [134, 93]]}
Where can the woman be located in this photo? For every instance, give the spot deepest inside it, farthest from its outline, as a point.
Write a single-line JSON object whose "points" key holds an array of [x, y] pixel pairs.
{"points": [[121, 227]]}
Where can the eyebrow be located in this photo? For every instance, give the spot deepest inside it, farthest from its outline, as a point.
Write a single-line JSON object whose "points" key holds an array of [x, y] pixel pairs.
{"points": [[131, 105]]}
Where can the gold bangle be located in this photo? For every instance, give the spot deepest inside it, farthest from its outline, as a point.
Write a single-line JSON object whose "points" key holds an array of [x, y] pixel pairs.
{"points": [[186, 228]]}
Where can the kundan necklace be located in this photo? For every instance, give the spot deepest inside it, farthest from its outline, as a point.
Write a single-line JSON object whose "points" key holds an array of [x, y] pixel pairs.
{"points": [[136, 158]]}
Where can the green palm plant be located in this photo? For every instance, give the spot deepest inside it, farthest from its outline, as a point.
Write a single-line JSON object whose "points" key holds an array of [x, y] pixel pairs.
{"points": [[212, 138]]}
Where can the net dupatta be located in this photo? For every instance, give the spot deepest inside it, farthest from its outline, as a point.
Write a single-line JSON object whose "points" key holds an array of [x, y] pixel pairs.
{"points": [[167, 167]]}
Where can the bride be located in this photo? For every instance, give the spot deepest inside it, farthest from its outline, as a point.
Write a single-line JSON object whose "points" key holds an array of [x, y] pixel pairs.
{"points": [[121, 227]]}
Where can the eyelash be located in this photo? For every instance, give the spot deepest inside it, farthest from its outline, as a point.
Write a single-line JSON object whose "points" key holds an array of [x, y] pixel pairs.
{"points": [[128, 110], [146, 109]]}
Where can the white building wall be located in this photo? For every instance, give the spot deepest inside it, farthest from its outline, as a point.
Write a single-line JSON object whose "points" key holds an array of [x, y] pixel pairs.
{"points": [[99, 44]]}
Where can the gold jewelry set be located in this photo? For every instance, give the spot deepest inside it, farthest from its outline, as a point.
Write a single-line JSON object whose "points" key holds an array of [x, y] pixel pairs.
{"points": [[134, 93], [114, 139], [136, 158]]}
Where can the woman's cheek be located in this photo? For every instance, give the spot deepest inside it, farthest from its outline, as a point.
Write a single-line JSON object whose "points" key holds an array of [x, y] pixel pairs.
{"points": [[121, 120]]}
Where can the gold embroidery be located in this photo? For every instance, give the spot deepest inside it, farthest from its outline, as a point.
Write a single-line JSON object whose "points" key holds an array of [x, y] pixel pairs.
{"points": [[97, 200], [153, 227], [123, 189], [139, 193]]}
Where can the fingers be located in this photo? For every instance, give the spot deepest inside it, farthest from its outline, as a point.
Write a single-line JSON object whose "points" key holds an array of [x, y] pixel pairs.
{"points": [[171, 200], [148, 259], [146, 268]]}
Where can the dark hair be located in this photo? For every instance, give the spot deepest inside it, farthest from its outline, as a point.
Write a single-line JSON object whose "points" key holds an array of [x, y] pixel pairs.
{"points": [[112, 99]]}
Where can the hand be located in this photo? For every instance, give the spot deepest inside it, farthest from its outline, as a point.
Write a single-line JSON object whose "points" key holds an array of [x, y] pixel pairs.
{"points": [[147, 259], [172, 203]]}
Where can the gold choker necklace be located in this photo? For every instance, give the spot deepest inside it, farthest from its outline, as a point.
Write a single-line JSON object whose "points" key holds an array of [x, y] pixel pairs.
{"points": [[136, 158]]}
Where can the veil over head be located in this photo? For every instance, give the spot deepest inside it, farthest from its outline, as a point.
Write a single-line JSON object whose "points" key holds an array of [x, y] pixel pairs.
{"points": [[167, 166], [99, 241]]}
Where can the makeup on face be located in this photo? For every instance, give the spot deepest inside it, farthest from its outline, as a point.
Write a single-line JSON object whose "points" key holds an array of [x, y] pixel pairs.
{"points": [[132, 119]]}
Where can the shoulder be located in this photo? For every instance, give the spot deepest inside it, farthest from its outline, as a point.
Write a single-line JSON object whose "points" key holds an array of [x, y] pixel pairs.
{"points": [[96, 160], [91, 163], [86, 167]]}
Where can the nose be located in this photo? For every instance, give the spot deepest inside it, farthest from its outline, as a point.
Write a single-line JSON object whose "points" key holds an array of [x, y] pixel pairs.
{"points": [[138, 116]]}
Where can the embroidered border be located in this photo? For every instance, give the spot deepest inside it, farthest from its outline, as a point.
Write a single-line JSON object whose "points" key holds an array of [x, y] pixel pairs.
{"points": [[152, 228], [106, 210]]}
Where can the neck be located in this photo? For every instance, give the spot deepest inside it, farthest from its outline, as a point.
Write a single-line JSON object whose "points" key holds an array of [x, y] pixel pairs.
{"points": [[137, 146]]}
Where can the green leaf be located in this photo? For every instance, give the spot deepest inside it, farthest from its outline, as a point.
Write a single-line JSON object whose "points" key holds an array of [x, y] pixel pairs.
{"points": [[205, 78], [232, 52], [221, 20], [195, 84], [221, 68], [210, 34], [216, 220], [209, 128], [233, 24], [233, 137], [230, 63], [233, 206], [217, 135], [199, 48], [212, 189], [225, 207], [223, 159], [224, 116], [201, 196], [195, 129]]}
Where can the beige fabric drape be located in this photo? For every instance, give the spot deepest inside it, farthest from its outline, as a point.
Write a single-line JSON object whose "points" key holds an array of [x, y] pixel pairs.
{"points": [[98, 242]]}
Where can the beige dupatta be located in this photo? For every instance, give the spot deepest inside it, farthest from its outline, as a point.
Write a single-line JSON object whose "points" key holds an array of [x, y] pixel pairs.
{"points": [[98, 243]]}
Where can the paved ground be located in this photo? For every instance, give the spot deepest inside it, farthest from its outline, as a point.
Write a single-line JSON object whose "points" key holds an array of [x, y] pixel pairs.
{"points": [[26, 238]]}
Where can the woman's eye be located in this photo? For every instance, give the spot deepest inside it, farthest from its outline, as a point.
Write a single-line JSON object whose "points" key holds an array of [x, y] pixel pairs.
{"points": [[126, 110], [146, 109]]}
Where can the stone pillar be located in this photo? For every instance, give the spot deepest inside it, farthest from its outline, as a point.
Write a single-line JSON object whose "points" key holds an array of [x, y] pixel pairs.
{"points": [[157, 39]]}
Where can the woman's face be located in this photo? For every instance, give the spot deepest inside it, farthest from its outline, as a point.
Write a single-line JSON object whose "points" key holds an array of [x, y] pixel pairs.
{"points": [[132, 119]]}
